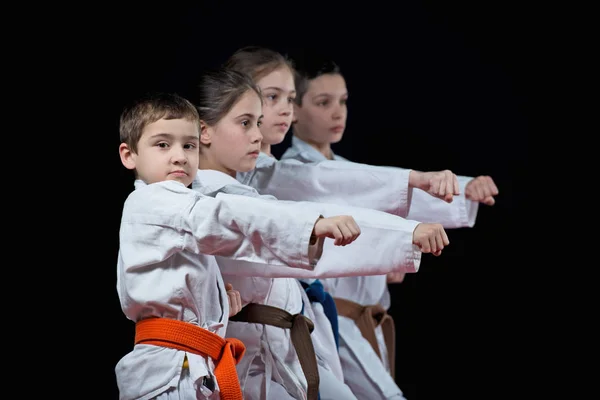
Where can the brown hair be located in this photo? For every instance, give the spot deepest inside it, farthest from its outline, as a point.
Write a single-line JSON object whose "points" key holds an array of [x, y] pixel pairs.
{"points": [[309, 69], [257, 62], [149, 109], [219, 90]]}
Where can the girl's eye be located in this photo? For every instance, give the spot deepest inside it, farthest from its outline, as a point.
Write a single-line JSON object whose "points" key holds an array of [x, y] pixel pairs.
{"points": [[162, 145]]}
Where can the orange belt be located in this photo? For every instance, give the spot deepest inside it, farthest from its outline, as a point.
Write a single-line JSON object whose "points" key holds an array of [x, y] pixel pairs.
{"points": [[226, 353]]}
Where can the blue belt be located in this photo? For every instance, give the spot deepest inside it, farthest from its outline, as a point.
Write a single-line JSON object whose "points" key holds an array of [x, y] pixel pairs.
{"points": [[316, 293]]}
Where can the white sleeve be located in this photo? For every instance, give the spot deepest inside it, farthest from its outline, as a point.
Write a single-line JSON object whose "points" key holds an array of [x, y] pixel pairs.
{"points": [[423, 207], [339, 182], [384, 245], [175, 218], [460, 213]]}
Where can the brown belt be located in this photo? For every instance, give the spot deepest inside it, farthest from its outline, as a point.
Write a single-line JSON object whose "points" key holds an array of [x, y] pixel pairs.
{"points": [[367, 318], [300, 328]]}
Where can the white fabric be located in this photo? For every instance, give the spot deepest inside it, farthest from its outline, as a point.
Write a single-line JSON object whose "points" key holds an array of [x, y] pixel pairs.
{"points": [[271, 363], [169, 237]]}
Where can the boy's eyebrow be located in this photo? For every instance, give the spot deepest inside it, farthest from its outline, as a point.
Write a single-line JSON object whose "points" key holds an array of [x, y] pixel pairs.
{"points": [[327, 94], [278, 89], [170, 136]]}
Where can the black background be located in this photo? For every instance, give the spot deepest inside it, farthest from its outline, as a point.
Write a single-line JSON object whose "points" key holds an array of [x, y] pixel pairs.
{"points": [[433, 85]]}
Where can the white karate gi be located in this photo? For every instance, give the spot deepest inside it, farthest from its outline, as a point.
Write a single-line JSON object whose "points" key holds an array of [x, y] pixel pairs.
{"points": [[357, 358], [270, 368], [376, 187], [169, 237]]}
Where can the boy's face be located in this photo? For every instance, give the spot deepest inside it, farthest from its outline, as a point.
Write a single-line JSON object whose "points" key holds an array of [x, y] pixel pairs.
{"points": [[322, 116], [167, 150], [278, 92]]}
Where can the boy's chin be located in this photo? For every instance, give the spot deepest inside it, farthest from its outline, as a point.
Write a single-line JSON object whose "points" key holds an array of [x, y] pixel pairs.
{"points": [[336, 138], [187, 181]]}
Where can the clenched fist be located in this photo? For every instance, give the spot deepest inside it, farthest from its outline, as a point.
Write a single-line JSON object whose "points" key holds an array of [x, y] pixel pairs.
{"points": [[481, 189], [440, 184], [431, 238], [342, 228]]}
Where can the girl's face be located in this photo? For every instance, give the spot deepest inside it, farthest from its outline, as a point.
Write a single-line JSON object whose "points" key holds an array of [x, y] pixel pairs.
{"points": [[322, 116], [233, 143], [278, 92]]}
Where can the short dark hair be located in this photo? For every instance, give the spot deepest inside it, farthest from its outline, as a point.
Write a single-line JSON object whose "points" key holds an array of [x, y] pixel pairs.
{"points": [[150, 108], [308, 68]]}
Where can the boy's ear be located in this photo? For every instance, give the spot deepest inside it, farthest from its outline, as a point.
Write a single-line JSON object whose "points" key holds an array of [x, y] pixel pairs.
{"points": [[127, 156], [205, 133]]}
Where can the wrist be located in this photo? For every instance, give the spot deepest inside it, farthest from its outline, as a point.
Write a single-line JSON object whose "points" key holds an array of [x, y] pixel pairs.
{"points": [[313, 235], [414, 178]]}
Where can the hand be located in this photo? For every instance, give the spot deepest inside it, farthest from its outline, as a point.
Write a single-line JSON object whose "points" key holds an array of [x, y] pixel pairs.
{"points": [[481, 189], [440, 184], [235, 301], [431, 238], [395, 277], [342, 228]]}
